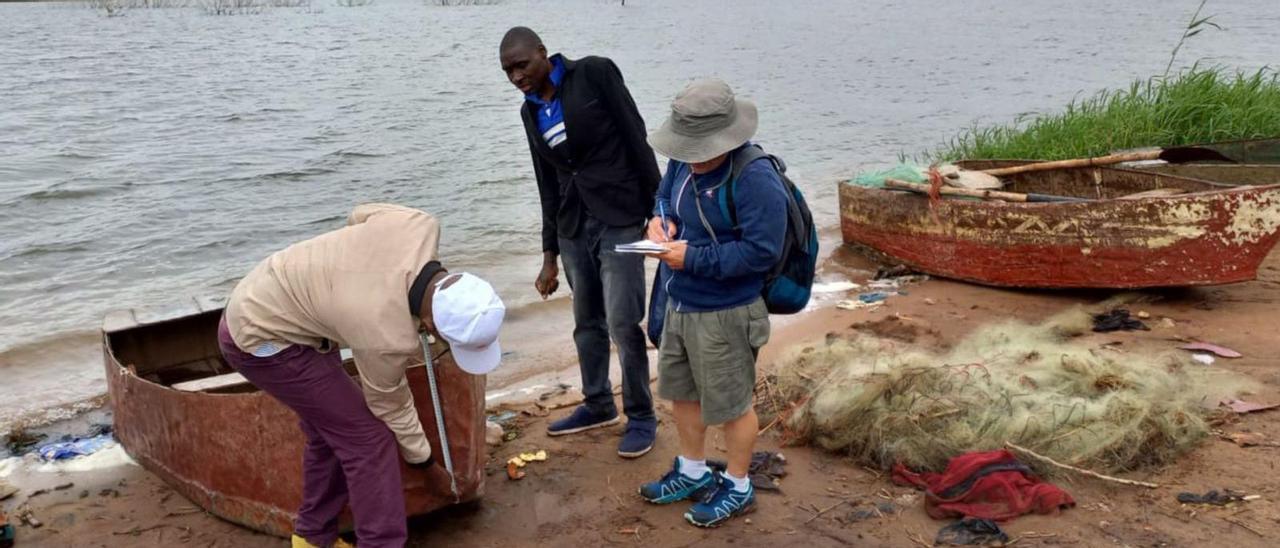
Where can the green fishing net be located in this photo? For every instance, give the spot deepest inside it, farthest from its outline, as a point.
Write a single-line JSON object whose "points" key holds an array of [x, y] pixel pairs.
{"points": [[903, 172]]}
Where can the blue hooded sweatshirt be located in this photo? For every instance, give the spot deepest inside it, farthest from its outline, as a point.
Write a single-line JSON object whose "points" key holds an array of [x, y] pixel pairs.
{"points": [[731, 273]]}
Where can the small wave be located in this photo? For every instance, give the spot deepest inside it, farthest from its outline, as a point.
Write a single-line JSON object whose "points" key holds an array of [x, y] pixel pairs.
{"points": [[326, 220], [295, 174], [353, 154], [50, 348], [54, 194], [40, 250], [75, 156], [505, 181]]}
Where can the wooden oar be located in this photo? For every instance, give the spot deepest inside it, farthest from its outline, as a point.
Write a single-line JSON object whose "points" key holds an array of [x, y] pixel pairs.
{"points": [[1173, 155], [984, 194]]}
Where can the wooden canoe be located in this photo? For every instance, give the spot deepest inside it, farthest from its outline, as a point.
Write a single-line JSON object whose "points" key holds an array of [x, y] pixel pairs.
{"points": [[1212, 234], [182, 413]]}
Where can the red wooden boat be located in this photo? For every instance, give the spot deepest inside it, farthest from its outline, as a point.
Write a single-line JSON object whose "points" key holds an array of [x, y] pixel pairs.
{"points": [[1213, 233], [182, 413]]}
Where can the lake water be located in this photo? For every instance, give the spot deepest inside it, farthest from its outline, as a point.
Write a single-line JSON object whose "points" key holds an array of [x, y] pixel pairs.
{"points": [[160, 155]]}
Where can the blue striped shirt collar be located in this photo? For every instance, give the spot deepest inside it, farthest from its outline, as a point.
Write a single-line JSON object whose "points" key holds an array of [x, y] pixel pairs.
{"points": [[557, 76]]}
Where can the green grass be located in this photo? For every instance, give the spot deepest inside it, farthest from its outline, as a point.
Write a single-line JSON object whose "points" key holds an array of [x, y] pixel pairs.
{"points": [[1199, 105]]}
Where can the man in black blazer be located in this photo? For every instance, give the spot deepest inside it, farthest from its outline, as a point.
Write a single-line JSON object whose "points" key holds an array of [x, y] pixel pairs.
{"points": [[597, 178]]}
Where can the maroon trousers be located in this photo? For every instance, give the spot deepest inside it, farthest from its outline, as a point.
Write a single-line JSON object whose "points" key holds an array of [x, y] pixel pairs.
{"points": [[350, 454]]}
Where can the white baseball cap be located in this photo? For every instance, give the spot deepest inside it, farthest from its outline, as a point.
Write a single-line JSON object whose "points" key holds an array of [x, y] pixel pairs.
{"points": [[468, 314]]}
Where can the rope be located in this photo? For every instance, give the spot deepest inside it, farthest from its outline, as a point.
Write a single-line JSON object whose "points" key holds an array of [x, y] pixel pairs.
{"points": [[935, 191]]}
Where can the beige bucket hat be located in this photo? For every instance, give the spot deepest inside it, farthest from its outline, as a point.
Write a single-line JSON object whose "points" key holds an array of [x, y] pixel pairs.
{"points": [[706, 120]]}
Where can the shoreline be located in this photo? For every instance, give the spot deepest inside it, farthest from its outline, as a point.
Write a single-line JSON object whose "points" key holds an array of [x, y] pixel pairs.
{"points": [[537, 344], [583, 494]]}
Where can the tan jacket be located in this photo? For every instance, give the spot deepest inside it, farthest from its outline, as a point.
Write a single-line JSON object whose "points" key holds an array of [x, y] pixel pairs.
{"points": [[349, 286]]}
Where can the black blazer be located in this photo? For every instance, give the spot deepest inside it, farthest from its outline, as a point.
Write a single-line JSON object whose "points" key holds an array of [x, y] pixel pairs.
{"points": [[607, 165]]}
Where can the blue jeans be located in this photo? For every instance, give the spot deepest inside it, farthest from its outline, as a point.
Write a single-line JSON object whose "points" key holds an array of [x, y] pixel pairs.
{"points": [[608, 303]]}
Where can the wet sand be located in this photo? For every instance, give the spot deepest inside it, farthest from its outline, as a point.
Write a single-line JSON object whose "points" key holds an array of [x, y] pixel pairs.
{"points": [[584, 495]]}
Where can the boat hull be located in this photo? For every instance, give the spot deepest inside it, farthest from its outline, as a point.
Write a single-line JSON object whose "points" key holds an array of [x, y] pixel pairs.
{"points": [[1201, 238], [238, 455]]}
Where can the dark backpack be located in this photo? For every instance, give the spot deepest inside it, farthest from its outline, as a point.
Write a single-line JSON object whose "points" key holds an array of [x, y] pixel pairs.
{"points": [[788, 286]]}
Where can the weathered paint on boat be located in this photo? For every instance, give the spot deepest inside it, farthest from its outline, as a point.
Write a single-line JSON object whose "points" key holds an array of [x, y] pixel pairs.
{"points": [[1214, 234], [238, 453]]}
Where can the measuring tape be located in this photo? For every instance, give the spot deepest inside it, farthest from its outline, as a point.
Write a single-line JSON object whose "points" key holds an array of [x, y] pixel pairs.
{"points": [[435, 403]]}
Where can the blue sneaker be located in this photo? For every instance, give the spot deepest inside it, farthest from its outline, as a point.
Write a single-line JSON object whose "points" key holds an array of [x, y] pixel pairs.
{"points": [[638, 439], [675, 487], [581, 420], [720, 503]]}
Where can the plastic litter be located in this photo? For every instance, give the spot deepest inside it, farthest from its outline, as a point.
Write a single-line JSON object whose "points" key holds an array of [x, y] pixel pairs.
{"points": [[1203, 358], [1242, 407], [887, 283], [1250, 439], [873, 297], [877, 510], [514, 464], [972, 532], [1221, 351], [503, 417], [1214, 497], [1117, 320], [540, 456], [834, 287], [75, 448], [493, 434], [26, 516], [857, 305], [7, 490], [765, 472]]}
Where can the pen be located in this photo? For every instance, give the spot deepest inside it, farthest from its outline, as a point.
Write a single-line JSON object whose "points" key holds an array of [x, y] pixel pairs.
{"points": [[663, 214]]}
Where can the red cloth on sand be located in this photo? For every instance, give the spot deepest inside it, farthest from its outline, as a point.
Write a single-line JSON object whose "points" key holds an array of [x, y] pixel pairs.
{"points": [[992, 485]]}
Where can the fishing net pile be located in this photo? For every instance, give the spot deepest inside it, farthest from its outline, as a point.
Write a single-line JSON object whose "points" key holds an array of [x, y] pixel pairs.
{"points": [[883, 401]]}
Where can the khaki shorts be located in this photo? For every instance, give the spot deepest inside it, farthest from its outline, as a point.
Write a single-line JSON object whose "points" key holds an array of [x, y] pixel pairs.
{"points": [[710, 358]]}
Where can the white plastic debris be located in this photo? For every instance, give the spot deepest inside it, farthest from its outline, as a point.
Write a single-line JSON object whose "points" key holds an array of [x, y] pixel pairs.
{"points": [[834, 287], [1203, 358]]}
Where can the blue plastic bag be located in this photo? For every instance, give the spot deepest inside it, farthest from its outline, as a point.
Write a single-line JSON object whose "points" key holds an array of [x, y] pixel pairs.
{"points": [[76, 448]]}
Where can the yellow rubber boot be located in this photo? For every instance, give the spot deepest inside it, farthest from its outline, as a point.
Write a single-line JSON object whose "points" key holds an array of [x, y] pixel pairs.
{"points": [[299, 542]]}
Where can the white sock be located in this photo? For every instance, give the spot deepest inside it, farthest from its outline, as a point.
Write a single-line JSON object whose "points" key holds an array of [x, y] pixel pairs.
{"points": [[739, 484], [693, 469]]}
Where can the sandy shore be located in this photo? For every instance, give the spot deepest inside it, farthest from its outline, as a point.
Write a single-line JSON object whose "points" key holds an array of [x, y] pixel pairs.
{"points": [[584, 495]]}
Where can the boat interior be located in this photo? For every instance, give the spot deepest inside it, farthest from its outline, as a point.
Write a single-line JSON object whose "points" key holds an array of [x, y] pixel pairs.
{"points": [[1095, 183], [181, 353], [1233, 174]]}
